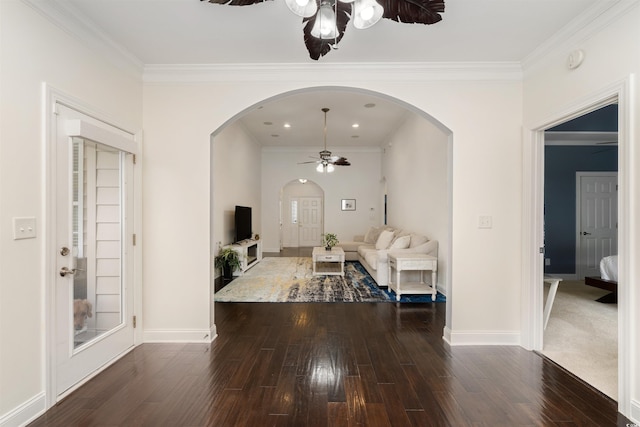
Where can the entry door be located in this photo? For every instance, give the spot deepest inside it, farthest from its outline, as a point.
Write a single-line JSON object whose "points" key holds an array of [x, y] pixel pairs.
{"points": [[310, 224], [94, 268], [597, 220]]}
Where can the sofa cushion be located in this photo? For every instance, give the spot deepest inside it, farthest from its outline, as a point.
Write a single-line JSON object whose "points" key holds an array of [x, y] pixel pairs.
{"points": [[417, 240], [369, 254], [349, 246], [401, 242], [372, 235], [384, 240]]}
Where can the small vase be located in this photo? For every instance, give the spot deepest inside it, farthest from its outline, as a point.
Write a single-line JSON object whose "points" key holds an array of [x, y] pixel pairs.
{"points": [[328, 248]]}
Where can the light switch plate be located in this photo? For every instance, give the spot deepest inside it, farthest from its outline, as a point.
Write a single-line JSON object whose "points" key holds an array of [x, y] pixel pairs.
{"points": [[485, 222], [24, 228]]}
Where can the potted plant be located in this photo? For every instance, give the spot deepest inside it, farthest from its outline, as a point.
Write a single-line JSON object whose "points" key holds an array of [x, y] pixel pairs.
{"points": [[330, 240], [228, 260]]}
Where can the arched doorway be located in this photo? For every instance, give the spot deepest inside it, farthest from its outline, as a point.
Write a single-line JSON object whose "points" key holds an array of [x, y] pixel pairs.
{"points": [[404, 162]]}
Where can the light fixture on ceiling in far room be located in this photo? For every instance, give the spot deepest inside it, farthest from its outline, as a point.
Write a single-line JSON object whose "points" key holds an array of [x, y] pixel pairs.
{"points": [[326, 162], [325, 21]]}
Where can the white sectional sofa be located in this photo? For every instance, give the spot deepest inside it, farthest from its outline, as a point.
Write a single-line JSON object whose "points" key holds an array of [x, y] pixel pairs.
{"points": [[372, 249]]}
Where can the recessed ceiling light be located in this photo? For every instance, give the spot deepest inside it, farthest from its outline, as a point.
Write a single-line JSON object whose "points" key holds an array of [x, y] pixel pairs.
{"points": [[287, 125], [355, 125], [369, 105], [275, 135], [267, 123], [355, 136]]}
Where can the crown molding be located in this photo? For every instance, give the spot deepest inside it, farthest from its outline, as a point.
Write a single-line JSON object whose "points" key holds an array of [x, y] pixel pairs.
{"points": [[357, 72], [584, 26], [66, 17], [315, 149]]}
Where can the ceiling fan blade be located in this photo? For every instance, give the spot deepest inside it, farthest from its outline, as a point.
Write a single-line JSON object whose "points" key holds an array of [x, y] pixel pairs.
{"points": [[342, 161], [304, 163]]}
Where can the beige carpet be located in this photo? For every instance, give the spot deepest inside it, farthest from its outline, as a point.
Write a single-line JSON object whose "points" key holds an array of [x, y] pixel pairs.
{"points": [[582, 335]]}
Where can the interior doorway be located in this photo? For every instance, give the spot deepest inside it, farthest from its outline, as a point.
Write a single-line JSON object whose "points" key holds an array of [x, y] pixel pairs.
{"points": [[580, 228], [302, 214]]}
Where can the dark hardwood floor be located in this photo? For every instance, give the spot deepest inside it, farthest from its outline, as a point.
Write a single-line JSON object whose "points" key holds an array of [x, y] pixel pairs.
{"points": [[340, 364]]}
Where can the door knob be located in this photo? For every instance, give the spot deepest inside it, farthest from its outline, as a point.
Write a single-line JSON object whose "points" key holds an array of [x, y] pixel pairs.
{"points": [[64, 251], [64, 271], [584, 233]]}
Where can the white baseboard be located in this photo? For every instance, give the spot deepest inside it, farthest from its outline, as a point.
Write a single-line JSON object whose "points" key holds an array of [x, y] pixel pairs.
{"points": [[179, 335], [635, 411], [482, 338], [25, 413]]}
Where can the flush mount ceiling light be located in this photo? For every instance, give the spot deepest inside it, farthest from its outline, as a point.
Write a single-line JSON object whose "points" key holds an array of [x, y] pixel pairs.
{"points": [[326, 20]]}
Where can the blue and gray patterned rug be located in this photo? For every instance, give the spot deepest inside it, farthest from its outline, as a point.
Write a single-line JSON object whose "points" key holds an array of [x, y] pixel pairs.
{"points": [[290, 280]]}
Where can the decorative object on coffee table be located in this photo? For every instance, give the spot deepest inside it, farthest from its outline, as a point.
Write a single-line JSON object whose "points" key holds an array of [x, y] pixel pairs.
{"points": [[329, 240]]}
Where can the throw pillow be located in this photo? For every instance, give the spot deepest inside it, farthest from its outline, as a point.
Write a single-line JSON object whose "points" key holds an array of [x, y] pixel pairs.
{"points": [[401, 242], [384, 240], [372, 235], [418, 239]]}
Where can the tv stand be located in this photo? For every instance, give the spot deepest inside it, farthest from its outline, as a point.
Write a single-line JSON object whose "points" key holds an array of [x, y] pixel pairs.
{"points": [[250, 252]]}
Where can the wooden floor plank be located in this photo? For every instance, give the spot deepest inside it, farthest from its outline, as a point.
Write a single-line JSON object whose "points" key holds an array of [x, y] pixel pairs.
{"points": [[332, 365]]}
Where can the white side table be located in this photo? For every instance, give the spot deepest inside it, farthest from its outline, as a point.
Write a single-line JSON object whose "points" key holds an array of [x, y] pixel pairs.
{"points": [[328, 262], [553, 289], [419, 262]]}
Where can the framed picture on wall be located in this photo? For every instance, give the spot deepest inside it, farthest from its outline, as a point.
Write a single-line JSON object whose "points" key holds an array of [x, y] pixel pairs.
{"points": [[348, 204]]}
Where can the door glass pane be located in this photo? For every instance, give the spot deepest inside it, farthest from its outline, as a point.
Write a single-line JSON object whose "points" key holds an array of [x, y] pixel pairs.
{"points": [[97, 230], [294, 212]]}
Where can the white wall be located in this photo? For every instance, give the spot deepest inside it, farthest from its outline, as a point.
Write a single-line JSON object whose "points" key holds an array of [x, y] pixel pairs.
{"points": [[34, 51], [235, 181], [486, 181], [360, 181], [551, 90], [416, 169]]}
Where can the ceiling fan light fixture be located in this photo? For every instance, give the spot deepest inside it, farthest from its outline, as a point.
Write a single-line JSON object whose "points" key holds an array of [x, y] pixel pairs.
{"points": [[325, 26], [366, 13], [304, 8]]}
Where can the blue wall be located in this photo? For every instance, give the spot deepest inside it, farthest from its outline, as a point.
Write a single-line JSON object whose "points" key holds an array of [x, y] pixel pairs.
{"points": [[603, 120], [561, 165]]}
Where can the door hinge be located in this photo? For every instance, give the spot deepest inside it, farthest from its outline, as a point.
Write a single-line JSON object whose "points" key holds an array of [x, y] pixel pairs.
{"points": [[134, 159], [134, 240], [541, 249], [135, 321]]}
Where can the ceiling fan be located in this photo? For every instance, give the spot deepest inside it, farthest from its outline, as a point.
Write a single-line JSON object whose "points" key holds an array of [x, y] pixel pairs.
{"points": [[326, 162], [325, 21]]}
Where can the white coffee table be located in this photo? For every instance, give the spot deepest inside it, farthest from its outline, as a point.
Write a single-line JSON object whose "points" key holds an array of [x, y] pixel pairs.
{"points": [[328, 262]]}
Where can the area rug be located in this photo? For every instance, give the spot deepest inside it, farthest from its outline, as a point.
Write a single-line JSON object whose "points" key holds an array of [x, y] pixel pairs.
{"points": [[291, 280]]}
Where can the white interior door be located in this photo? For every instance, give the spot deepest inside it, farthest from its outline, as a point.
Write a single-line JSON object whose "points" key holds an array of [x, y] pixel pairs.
{"points": [[94, 247], [597, 220], [310, 223]]}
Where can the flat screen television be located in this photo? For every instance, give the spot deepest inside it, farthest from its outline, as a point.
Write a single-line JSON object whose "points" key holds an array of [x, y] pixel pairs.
{"points": [[243, 223]]}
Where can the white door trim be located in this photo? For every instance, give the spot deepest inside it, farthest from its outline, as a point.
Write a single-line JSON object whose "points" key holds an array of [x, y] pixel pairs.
{"points": [[533, 227], [51, 98], [579, 176]]}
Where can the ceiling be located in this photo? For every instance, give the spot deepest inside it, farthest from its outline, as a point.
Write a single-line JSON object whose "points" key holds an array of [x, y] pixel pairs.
{"points": [[197, 32]]}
